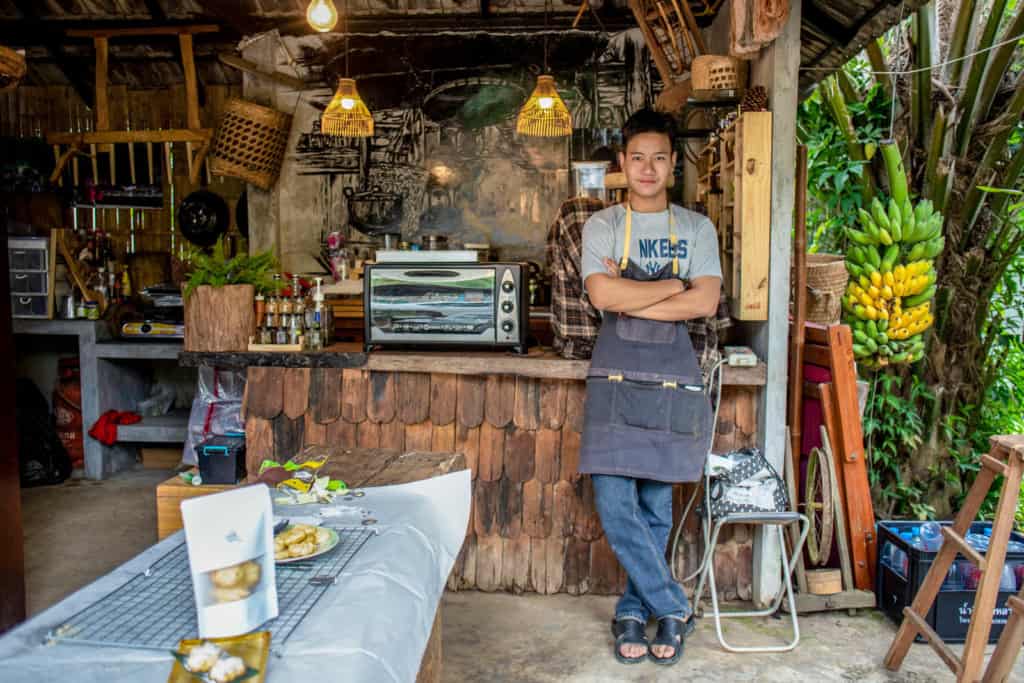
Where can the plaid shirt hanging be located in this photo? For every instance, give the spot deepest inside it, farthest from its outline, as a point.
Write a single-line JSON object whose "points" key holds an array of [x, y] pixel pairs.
{"points": [[574, 320]]}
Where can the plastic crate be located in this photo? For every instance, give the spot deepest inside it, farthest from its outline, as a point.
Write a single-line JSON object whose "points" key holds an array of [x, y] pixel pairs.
{"points": [[222, 458], [950, 614]]}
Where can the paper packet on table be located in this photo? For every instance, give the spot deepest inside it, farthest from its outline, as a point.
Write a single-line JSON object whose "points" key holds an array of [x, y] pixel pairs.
{"points": [[230, 538]]}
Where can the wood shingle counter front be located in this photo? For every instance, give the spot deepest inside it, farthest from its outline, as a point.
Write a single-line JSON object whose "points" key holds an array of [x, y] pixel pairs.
{"points": [[533, 524]]}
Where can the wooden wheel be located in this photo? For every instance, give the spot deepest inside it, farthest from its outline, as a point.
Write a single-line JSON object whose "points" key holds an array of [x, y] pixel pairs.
{"points": [[819, 507]]}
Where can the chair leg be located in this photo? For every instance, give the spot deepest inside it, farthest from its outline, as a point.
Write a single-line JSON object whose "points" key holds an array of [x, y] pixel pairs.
{"points": [[787, 593]]}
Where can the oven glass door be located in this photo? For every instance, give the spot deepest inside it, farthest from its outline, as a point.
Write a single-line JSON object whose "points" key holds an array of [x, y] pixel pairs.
{"points": [[434, 304]]}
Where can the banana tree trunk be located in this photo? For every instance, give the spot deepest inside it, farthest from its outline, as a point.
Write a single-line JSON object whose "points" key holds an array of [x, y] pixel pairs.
{"points": [[997, 66], [958, 41], [969, 95]]}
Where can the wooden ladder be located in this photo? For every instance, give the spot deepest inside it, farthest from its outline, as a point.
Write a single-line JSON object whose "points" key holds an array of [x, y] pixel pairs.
{"points": [[1006, 457]]}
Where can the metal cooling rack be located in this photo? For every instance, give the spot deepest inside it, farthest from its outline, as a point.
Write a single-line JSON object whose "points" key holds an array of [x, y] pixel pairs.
{"points": [[155, 609]]}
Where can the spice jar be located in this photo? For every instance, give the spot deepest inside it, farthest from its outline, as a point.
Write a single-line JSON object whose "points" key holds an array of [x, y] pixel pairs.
{"points": [[261, 307]]}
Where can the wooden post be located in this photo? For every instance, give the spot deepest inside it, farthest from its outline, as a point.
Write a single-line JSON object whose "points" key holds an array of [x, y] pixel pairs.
{"points": [[188, 65], [779, 69], [796, 332], [102, 101]]}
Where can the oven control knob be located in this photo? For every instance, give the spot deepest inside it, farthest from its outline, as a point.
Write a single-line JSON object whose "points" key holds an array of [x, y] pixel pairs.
{"points": [[507, 306], [507, 286], [507, 326]]}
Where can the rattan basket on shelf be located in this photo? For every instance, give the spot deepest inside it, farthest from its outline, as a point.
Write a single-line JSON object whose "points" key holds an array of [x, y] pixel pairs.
{"points": [[717, 72], [826, 282], [250, 143], [12, 68]]}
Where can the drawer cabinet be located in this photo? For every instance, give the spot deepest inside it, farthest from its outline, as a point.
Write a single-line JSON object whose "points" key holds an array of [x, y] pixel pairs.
{"points": [[29, 261]]}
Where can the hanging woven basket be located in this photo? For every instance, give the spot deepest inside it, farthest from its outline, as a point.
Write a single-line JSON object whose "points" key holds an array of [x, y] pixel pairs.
{"points": [[826, 282], [12, 69], [250, 143]]}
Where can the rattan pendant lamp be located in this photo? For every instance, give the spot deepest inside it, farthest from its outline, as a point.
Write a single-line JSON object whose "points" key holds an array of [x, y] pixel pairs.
{"points": [[346, 114], [544, 114]]}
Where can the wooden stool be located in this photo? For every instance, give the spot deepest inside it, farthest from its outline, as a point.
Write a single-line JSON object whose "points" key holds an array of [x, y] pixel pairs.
{"points": [[1006, 457]]}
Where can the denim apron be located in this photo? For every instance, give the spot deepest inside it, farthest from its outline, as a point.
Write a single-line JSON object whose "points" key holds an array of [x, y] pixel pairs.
{"points": [[646, 415]]}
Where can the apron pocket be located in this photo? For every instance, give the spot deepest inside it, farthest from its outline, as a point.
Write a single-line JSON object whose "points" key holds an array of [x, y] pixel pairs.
{"points": [[633, 329], [690, 411], [642, 405], [598, 404]]}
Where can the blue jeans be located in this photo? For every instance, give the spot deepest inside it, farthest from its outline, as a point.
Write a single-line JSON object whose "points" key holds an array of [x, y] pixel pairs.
{"points": [[637, 518]]}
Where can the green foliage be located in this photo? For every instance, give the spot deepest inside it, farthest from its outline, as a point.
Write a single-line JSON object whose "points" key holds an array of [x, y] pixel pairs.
{"points": [[213, 269], [834, 193], [894, 427]]}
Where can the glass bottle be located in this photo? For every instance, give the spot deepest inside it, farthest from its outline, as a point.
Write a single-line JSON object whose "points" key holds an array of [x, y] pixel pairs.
{"points": [[272, 303], [281, 336], [260, 304]]}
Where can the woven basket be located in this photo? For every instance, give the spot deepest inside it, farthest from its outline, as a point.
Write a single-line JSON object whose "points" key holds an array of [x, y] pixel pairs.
{"points": [[250, 143], [826, 283], [12, 69], [716, 72]]}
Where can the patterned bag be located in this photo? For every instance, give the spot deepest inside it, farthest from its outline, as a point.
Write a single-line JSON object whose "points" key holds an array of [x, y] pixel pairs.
{"points": [[744, 481]]}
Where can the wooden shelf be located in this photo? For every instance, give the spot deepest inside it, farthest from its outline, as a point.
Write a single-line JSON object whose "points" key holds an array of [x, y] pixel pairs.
{"points": [[171, 428], [139, 350]]}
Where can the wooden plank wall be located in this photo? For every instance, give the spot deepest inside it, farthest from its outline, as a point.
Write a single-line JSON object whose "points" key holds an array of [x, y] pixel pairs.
{"points": [[533, 527], [34, 111]]}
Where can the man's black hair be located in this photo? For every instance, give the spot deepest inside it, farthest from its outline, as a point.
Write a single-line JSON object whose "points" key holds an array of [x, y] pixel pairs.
{"points": [[649, 121]]}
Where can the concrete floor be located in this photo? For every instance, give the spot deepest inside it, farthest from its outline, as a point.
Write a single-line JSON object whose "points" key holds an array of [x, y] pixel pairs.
{"points": [[82, 529]]}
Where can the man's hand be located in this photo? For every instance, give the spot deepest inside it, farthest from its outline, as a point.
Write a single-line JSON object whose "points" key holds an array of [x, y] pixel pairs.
{"points": [[699, 301], [611, 267], [616, 294]]}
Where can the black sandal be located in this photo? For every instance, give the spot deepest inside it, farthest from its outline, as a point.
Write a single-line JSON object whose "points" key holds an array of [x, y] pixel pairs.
{"points": [[672, 632], [629, 632]]}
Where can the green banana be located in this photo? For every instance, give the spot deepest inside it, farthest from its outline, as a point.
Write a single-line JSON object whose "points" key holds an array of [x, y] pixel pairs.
{"points": [[866, 222], [918, 299], [853, 269], [873, 259], [855, 254], [882, 324], [884, 237], [859, 337], [884, 351], [860, 351], [871, 329], [916, 253], [906, 221], [934, 229], [934, 247], [859, 237], [878, 213], [900, 357], [922, 212], [882, 338], [889, 259], [895, 218], [870, 345]]}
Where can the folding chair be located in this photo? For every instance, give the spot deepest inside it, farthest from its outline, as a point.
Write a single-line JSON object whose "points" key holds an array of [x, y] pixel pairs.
{"points": [[779, 520]]}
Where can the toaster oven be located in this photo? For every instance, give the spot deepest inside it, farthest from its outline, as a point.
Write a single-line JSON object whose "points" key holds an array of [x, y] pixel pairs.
{"points": [[446, 304]]}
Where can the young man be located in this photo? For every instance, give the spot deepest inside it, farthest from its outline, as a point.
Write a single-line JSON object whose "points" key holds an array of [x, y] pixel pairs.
{"points": [[648, 266]]}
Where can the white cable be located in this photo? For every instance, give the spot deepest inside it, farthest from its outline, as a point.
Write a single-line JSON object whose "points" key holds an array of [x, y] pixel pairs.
{"points": [[714, 379], [927, 68]]}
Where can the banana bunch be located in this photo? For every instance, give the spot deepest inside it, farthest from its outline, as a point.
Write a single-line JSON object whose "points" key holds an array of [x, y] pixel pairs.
{"points": [[892, 280]]}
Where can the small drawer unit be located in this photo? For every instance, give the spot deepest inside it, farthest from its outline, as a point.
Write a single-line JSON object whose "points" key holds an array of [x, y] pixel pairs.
{"points": [[29, 276]]}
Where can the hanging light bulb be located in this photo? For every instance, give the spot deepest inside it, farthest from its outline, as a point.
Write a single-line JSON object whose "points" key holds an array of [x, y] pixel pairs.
{"points": [[322, 15], [544, 114], [346, 114]]}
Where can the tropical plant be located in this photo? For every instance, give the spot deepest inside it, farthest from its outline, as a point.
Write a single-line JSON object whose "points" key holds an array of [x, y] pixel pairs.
{"points": [[213, 268], [959, 94]]}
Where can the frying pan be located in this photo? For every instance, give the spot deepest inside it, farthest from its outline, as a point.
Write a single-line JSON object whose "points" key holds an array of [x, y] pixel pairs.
{"points": [[203, 217]]}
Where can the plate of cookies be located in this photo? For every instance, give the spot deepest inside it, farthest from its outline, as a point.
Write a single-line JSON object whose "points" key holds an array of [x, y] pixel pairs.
{"points": [[302, 542]]}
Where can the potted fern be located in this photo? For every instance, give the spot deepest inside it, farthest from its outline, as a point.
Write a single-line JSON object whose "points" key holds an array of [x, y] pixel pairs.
{"points": [[219, 291]]}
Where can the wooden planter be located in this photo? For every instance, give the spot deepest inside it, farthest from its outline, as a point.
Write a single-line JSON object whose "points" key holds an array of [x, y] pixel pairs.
{"points": [[220, 318]]}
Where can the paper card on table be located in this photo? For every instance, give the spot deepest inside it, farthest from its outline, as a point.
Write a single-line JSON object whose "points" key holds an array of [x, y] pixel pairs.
{"points": [[230, 542]]}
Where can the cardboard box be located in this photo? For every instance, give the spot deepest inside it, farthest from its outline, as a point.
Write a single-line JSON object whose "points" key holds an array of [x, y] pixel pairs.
{"points": [[160, 458], [168, 502]]}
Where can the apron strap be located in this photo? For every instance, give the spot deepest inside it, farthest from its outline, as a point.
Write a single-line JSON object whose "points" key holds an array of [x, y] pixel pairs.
{"points": [[672, 239]]}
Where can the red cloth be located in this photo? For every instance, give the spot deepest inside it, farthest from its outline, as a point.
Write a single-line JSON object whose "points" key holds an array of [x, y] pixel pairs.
{"points": [[105, 429]]}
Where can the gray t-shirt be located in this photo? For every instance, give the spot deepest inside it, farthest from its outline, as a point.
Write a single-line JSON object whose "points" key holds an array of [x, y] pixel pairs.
{"points": [[604, 237]]}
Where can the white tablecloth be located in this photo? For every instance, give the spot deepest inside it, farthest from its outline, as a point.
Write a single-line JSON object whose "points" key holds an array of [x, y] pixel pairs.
{"points": [[372, 626]]}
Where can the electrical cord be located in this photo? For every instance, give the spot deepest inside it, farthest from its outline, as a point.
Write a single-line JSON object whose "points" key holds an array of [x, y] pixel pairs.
{"points": [[714, 380]]}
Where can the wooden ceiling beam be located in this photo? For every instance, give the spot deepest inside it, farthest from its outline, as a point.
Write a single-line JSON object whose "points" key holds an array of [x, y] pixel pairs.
{"points": [[171, 30]]}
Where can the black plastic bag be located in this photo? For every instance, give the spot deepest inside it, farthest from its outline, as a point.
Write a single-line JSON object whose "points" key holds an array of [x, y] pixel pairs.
{"points": [[42, 459]]}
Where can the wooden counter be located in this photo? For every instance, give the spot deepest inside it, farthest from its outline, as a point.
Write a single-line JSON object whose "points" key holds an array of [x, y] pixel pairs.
{"points": [[517, 420], [539, 363]]}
